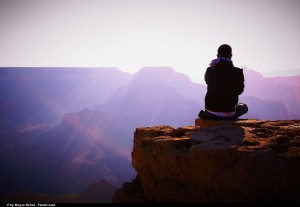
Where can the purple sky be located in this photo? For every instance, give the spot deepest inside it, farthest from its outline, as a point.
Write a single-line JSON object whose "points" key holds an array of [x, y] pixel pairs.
{"points": [[130, 34]]}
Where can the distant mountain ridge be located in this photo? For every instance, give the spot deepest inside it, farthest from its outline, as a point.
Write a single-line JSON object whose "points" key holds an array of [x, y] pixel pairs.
{"points": [[285, 90], [45, 94], [282, 73]]}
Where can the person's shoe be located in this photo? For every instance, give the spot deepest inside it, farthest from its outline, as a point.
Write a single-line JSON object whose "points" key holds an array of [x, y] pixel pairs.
{"points": [[201, 114]]}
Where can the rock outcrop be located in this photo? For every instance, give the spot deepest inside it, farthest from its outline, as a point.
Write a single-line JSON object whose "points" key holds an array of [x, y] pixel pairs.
{"points": [[216, 161]]}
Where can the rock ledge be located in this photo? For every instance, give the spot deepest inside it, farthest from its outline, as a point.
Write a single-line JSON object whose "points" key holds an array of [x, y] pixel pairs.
{"points": [[216, 161]]}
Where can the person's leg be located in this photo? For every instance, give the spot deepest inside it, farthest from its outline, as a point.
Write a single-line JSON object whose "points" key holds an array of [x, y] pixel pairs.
{"points": [[211, 116], [241, 109], [206, 115]]}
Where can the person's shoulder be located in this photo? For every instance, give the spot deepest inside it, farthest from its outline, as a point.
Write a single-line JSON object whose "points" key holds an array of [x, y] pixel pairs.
{"points": [[238, 70], [209, 68]]}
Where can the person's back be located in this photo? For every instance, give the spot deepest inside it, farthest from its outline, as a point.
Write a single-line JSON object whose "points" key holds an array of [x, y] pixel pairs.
{"points": [[224, 85]]}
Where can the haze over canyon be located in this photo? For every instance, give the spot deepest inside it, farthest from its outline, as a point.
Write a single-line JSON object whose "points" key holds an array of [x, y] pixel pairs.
{"points": [[63, 129]]}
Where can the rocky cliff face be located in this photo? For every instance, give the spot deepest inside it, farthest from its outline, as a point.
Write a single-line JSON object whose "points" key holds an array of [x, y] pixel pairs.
{"points": [[216, 161]]}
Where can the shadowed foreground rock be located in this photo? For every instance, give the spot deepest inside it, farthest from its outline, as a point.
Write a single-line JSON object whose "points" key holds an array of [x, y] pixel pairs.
{"points": [[233, 161]]}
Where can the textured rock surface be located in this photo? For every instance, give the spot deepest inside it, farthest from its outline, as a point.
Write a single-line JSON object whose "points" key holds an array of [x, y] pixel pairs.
{"points": [[231, 161]]}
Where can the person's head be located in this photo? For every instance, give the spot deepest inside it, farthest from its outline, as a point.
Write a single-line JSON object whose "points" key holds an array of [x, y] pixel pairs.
{"points": [[224, 51]]}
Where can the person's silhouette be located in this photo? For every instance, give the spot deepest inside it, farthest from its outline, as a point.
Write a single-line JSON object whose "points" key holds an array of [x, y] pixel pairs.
{"points": [[224, 85]]}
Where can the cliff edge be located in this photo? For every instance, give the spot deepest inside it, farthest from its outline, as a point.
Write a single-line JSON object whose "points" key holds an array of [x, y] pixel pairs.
{"points": [[216, 161]]}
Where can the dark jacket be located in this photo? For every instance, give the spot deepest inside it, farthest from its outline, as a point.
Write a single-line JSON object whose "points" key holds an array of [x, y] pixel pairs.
{"points": [[224, 84]]}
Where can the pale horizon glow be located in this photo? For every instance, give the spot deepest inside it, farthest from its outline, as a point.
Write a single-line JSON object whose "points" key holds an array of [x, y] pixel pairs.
{"points": [[131, 34]]}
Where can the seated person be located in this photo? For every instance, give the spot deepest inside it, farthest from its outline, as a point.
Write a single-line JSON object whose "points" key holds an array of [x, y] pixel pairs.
{"points": [[224, 85]]}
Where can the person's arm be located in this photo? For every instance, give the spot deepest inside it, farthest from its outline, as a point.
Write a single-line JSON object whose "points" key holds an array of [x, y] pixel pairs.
{"points": [[206, 76], [240, 82]]}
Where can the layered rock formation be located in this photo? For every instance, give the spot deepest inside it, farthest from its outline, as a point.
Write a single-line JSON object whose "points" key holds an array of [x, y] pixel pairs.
{"points": [[216, 161]]}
